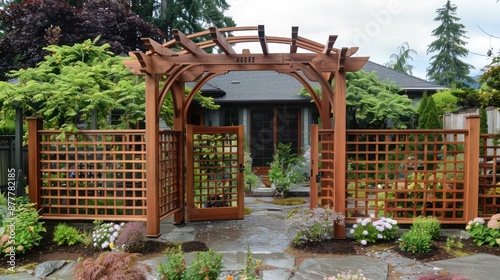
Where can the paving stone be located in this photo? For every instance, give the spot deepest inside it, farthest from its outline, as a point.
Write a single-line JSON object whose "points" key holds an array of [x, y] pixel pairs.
{"points": [[477, 267]]}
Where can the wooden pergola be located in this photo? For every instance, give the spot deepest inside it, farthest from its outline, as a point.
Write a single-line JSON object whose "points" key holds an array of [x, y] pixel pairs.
{"points": [[167, 70]]}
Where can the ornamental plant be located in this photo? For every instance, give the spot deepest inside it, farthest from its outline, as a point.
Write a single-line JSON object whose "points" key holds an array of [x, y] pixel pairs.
{"points": [[415, 241], [22, 223], [484, 234], [205, 266], [429, 224], [112, 265], [105, 234], [64, 234], [132, 237], [348, 276], [312, 225], [368, 230]]}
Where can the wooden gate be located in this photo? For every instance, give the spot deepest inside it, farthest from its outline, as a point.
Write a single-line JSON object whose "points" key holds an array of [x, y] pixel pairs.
{"points": [[214, 173]]}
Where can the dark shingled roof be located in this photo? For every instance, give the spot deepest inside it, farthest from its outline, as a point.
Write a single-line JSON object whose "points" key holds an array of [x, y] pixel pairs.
{"points": [[270, 86]]}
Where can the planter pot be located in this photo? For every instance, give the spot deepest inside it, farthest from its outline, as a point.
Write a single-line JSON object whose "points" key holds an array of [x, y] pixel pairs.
{"points": [[266, 180]]}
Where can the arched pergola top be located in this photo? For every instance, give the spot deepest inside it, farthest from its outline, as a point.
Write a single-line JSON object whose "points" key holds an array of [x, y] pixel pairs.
{"points": [[184, 59]]}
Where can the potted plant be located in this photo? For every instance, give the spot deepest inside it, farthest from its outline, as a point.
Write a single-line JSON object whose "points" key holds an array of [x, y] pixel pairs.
{"points": [[280, 168]]}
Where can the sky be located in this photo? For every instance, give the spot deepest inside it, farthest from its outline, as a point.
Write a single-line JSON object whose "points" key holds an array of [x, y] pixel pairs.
{"points": [[377, 27]]}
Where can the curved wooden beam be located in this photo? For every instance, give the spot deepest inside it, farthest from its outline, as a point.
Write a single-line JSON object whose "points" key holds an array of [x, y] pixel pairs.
{"points": [[263, 40], [174, 75], [195, 90]]}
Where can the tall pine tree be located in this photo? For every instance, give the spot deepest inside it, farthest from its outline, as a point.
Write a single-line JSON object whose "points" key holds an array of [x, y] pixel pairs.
{"points": [[446, 67]]}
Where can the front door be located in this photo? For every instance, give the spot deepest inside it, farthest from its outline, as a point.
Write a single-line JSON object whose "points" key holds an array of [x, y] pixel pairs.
{"points": [[270, 127], [214, 173]]}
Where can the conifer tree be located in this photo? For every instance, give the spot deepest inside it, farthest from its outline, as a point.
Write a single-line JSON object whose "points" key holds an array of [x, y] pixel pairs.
{"points": [[422, 117], [446, 67]]}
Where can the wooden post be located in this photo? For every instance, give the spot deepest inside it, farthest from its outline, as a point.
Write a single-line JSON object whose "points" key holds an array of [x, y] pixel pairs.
{"points": [[178, 91], [313, 190], [34, 125], [152, 157], [339, 160], [472, 167]]}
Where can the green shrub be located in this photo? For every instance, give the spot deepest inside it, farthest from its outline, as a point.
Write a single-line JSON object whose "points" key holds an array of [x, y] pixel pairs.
{"points": [[431, 225], [23, 219], [205, 266], [64, 234], [174, 268], [111, 265], [415, 241]]}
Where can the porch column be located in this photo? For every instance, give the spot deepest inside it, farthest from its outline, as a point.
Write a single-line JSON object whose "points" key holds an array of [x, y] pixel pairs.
{"points": [[339, 161], [152, 157], [472, 124]]}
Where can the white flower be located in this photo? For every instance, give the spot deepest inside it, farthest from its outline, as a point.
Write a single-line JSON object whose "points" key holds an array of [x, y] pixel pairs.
{"points": [[355, 226], [363, 242], [365, 232], [95, 244], [352, 230], [380, 236], [389, 226], [117, 227], [372, 216], [363, 223], [111, 229], [105, 244], [115, 234], [112, 239], [358, 220]]}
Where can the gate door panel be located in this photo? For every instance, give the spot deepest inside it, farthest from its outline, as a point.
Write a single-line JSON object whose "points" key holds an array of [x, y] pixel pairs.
{"points": [[214, 173]]}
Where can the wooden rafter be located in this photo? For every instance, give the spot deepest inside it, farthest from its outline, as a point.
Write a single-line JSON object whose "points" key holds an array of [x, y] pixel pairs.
{"points": [[293, 43], [190, 46], [221, 41], [263, 40], [157, 48], [329, 44]]}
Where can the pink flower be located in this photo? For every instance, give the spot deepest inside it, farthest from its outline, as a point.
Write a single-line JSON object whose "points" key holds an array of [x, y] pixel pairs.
{"points": [[493, 223]]}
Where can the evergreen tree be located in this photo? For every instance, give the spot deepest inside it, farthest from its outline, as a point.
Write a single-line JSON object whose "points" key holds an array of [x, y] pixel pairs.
{"points": [[432, 119], [399, 61], [484, 121], [446, 67], [422, 117], [187, 16]]}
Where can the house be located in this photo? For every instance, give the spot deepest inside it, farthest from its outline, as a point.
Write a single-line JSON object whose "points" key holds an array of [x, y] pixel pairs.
{"points": [[268, 105]]}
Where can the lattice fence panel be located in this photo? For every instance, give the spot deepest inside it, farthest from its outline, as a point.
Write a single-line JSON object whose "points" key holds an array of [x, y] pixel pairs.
{"points": [[93, 175], [489, 176], [169, 198], [402, 175], [326, 170], [215, 158]]}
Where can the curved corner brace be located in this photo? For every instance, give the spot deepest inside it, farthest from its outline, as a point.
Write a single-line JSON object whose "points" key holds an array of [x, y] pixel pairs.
{"points": [[321, 79], [196, 88], [308, 87], [175, 74]]}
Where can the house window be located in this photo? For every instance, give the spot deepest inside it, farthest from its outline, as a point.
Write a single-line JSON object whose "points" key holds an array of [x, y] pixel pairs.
{"points": [[230, 117]]}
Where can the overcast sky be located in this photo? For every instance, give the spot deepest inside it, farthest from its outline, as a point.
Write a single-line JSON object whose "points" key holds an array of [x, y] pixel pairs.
{"points": [[377, 27]]}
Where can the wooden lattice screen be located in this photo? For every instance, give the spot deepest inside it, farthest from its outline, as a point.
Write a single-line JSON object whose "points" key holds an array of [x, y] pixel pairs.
{"points": [[489, 176], [408, 173], [169, 173], [93, 175], [403, 174]]}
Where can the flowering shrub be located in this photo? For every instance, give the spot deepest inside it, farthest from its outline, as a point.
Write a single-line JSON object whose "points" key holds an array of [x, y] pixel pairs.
{"points": [[105, 234], [312, 225], [368, 231], [132, 237], [484, 234], [348, 276], [112, 265]]}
